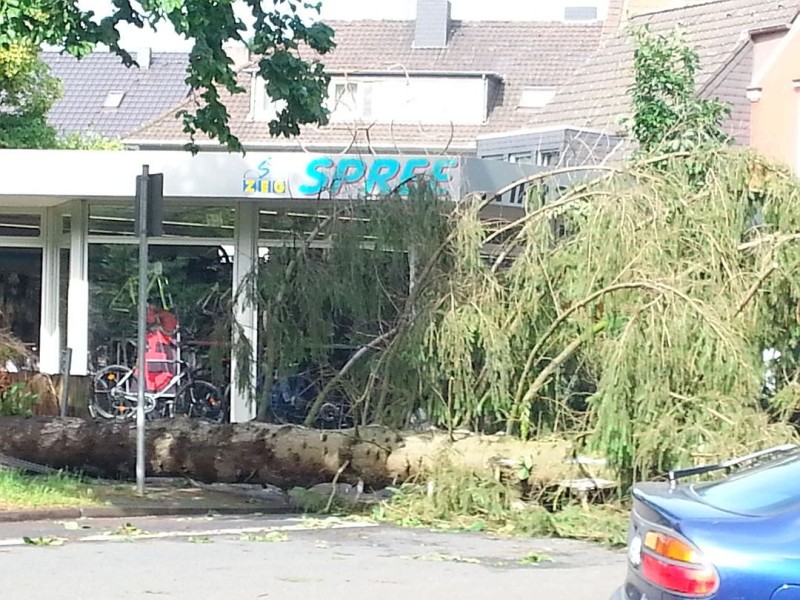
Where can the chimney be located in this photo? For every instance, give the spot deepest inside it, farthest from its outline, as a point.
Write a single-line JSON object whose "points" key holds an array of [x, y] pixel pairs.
{"points": [[433, 24], [144, 58], [580, 13], [620, 11]]}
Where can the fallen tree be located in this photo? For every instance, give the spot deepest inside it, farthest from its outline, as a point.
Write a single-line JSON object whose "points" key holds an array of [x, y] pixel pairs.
{"points": [[280, 455]]}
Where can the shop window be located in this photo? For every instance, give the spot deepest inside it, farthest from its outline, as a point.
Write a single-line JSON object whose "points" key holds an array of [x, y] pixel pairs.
{"points": [[63, 294], [199, 221], [21, 292], [293, 226], [180, 220], [106, 219], [193, 283], [29, 226]]}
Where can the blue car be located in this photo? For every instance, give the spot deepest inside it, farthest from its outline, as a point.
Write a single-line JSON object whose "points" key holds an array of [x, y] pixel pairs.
{"points": [[734, 538]]}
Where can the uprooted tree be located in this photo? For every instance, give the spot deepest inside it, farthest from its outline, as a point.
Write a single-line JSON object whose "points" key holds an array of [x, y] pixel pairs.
{"points": [[637, 325], [633, 312]]}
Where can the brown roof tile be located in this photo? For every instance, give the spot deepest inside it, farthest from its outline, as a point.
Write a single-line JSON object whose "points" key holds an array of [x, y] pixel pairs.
{"points": [[597, 94], [521, 53]]}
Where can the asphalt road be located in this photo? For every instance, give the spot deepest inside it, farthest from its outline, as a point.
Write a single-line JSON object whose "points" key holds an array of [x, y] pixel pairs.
{"points": [[290, 558]]}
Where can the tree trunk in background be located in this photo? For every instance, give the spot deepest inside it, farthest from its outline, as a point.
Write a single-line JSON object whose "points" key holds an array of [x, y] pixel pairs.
{"points": [[280, 455]]}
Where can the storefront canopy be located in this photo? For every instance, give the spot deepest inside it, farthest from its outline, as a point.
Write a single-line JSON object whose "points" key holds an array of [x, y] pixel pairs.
{"points": [[41, 178]]}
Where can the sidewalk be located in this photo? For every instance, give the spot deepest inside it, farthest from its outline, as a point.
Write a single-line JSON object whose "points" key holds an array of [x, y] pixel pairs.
{"points": [[165, 498]]}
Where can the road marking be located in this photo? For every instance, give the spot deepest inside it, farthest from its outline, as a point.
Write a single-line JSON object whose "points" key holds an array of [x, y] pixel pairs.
{"points": [[113, 537]]}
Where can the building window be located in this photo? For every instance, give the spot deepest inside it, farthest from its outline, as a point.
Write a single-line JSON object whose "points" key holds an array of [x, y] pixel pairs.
{"points": [[28, 226], [521, 157], [113, 99], [548, 158], [351, 100], [21, 293], [580, 13], [533, 97], [180, 220], [345, 93], [262, 107]]}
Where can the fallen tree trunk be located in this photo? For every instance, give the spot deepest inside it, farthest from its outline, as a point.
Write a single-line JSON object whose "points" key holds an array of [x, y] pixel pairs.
{"points": [[280, 455]]}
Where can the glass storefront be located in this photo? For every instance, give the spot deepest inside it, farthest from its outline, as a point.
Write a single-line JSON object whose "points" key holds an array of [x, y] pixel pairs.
{"points": [[21, 293]]}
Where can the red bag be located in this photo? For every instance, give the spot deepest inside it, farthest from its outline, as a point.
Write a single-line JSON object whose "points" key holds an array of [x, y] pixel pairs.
{"points": [[160, 362]]}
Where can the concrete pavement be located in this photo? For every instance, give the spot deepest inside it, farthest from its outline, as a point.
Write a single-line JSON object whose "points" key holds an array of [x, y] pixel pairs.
{"points": [[285, 558]]}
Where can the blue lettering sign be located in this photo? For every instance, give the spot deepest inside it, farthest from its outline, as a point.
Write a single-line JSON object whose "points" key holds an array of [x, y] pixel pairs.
{"points": [[439, 168], [414, 167], [383, 170], [382, 176], [316, 172], [348, 171]]}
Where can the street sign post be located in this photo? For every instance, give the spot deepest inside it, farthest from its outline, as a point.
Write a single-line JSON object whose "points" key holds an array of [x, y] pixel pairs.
{"points": [[149, 218]]}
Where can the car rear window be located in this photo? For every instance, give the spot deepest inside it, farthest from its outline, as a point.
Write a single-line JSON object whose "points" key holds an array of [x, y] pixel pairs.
{"points": [[760, 490]]}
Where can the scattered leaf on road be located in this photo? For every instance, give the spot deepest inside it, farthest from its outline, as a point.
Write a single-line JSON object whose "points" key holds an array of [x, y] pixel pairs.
{"points": [[127, 530], [436, 557], [272, 536], [43, 541], [534, 559]]}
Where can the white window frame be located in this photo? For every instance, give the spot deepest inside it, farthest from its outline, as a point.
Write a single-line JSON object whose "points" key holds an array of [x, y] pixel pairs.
{"points": [[536, 97], [357, 106], [262, 108], [541, 158], [526, 158], [11, 241]]}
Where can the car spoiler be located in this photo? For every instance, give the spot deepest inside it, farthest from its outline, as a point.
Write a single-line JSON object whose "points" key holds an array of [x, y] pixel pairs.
{"points": [[727, 465]]}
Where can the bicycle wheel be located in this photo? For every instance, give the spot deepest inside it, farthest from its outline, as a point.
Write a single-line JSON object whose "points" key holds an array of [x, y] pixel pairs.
{"points": [[335, 413], [290, 398], [201, 399], [114, 393]]}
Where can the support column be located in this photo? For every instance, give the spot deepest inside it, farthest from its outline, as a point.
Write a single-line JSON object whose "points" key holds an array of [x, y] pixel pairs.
{"points": [[413, 260], [245, 261], [49, 332], [78, 293]]}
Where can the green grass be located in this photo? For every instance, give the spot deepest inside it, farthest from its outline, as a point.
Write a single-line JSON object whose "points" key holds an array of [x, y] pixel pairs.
{"points": [[21, 491]]}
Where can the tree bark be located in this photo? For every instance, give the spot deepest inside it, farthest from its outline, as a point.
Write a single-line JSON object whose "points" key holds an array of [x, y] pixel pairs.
{"points": [[280, 455]]}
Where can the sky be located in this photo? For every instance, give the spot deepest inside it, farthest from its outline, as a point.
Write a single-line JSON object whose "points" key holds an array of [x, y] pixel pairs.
{"points": [[163, 40]]}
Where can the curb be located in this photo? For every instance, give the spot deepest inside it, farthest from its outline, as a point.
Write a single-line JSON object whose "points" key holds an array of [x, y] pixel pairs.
{"points": [[111, 512]]}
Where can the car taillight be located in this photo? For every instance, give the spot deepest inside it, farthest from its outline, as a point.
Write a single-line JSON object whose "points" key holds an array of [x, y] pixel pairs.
{"points": [[675, 566]]}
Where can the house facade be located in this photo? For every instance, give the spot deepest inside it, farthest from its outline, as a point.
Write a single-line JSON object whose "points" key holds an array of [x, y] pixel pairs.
{"points": [[430, 85], [102, 96], [774, 95], [730, 37]]}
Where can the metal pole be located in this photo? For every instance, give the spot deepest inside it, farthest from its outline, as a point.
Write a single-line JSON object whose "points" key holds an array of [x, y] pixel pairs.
{"points": [[65, 370], [142, 337]]}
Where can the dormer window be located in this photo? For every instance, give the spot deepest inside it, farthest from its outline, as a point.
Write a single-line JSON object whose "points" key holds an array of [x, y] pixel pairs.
{"points": [[351, 100], [536, 97], [113, 99], [345, 93], [398, 98]]}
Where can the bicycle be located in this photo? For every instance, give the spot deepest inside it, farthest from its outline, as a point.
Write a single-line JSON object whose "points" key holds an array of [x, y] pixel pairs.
{"points": [[292, 396], [115, 395]]}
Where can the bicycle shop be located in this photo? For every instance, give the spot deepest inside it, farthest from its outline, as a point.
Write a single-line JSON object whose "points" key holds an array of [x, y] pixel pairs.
{"points": [[68, 248]]}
